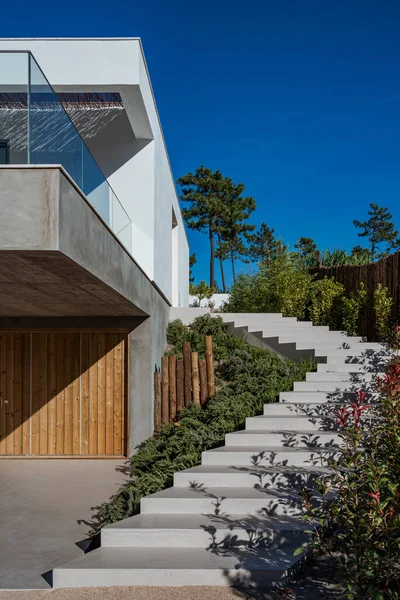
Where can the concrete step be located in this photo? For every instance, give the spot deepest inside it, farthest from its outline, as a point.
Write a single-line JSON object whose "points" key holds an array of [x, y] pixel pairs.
{"points": [[199, 531], [314, 397], [310, 410], [293, 422], [299, 439], [346, 368], [332, 386], [227, 500], [272, 344], [247, 317], [297, 329], [352, 349], [344, 376], [291, 337], [369, 362], [107, 567], [310, 338], [249, 476], [348, 354], [270, 456]]}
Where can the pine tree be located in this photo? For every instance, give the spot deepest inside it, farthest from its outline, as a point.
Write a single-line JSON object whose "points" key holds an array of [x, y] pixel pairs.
{"points": [[307, 251], [218, 208], [264, 247], [233, 222], [221, 255], [379, 229], [201, 191], [192, 262]]}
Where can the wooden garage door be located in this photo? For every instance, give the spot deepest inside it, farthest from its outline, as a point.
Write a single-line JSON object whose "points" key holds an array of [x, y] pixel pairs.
{"points": [[63, 393]]}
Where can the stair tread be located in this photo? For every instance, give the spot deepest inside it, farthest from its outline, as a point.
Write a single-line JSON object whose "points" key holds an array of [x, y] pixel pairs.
{"points": [[199, 521], [177, 559], [322, 432], [263, 469], [226, 492], [266, 449]]}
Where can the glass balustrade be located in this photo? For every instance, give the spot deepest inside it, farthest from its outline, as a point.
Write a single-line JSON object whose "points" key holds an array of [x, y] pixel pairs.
{"points": [[35, 129]]}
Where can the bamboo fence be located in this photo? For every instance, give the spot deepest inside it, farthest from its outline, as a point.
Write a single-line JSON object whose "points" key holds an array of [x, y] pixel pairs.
{"points": [[385, 271]]}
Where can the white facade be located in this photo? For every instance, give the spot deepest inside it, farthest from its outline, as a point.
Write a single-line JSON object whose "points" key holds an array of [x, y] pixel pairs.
{"points": [[129, 148]]}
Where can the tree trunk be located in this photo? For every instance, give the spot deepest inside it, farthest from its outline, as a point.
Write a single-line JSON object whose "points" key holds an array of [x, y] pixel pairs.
{"points": [[233, 267], [212, 257], [221, 263]]}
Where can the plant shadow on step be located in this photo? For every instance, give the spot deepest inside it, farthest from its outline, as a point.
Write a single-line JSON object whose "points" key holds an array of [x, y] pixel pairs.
{"points": [[260, 544]]}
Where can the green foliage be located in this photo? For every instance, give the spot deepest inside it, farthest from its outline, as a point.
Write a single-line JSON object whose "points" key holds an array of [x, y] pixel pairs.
{"points": [[286, 286], [307, 252], [330, 306], [216, 207], [263, 246], [233, 225], [383, 305], [379, 229], [248, 378], [192, 262], [176, 333], [326, 302], [360, 256], [360, 528], [281, 286], [352, 309], [338, 257], [201, 291]]}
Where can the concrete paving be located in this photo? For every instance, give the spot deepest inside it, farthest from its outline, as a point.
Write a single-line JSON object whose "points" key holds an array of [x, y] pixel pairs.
{"points": [[46, 511]]}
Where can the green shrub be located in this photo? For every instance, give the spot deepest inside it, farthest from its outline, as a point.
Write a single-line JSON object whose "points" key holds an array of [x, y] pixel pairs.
{"points": [[352, 309], [176, 332], [201, 291], [360, 528], [248, 378], [326, 306], [383, 305], [285, 285], [281, 286]]}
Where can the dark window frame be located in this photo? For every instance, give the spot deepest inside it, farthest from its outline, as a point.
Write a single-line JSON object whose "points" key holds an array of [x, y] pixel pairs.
{"points": [[6, 144]]}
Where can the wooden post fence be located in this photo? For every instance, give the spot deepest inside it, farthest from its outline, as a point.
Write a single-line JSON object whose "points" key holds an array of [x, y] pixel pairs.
{"points": [[164, 390], [183, 382]]}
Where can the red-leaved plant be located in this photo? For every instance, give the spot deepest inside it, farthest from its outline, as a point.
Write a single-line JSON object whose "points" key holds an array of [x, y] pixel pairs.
{"points": [[360, 527]]}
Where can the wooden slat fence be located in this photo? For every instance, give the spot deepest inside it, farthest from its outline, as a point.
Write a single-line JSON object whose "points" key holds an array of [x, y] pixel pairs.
{"points": [[180, 383], [385, 271]]}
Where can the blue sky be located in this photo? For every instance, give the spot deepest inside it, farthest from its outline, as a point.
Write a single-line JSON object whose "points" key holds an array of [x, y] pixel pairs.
{"points": [[299, 100]]}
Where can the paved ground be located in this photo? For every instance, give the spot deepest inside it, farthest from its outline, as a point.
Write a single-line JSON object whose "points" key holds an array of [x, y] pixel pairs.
{"points": [[45, 508]]}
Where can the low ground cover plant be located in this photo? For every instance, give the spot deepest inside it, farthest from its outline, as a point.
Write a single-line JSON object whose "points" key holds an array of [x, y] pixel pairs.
{"points": [[247, 378], [360, 529]]}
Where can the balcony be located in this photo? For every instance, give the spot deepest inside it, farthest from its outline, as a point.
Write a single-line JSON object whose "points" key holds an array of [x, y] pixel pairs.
{"points": [[35, 129]]}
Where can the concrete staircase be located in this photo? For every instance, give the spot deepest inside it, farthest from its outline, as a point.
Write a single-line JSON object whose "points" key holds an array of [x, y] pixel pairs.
{"points": [[236, 518]]}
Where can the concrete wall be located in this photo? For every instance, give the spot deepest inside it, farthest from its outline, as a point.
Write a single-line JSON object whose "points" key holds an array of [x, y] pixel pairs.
{"points": [[218, 300], [43, 211], [136, 161]]}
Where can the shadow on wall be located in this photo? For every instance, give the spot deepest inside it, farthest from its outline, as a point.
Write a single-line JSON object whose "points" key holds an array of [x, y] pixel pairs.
{"points": [[63, 393], [114, 144]]}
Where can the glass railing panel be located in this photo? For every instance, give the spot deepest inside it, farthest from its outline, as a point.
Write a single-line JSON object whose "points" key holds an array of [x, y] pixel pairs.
{"points": [[53, 138], [14, 79], [36, 129], [121, 223]]}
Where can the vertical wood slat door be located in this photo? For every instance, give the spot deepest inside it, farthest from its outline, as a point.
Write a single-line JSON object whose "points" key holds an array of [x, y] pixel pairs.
{"points": [[63, 394]]}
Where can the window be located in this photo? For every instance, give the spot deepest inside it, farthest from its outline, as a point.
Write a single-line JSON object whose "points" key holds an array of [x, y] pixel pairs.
{"points": [[4, 152]]}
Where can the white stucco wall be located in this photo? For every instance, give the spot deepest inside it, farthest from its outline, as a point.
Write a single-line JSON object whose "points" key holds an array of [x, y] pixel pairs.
{"points": [[142, 180]]}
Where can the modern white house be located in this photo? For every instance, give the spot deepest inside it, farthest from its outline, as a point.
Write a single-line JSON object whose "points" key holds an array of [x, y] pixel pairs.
{"points": [[93, 250]]}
